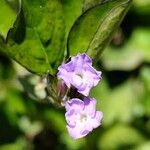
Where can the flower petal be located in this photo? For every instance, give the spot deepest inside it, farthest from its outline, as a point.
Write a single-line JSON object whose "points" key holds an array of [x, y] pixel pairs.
{"points": [[71, 117], [79, 73], [75, 104], [75, 132], [90, 106], [82, 117], [97, 119]]}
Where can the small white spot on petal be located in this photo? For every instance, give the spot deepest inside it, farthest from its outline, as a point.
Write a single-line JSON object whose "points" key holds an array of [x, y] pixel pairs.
{"points": [[77, 79]]}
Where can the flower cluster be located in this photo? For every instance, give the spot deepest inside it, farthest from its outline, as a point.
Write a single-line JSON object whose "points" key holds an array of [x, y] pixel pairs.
{"points": [[80, 77]]}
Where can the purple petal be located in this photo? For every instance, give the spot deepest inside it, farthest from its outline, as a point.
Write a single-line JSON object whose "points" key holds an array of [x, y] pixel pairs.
{"points": [[93, 74], [75, 132], [64, 75], [75, 104], [82, 117], [79, 73], [85, 91], [97, 119], [90, 106], [71, 117], [82, 59]]}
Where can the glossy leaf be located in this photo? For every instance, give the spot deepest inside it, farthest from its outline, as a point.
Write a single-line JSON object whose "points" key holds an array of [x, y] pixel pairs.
{"points": [[29, 52], [71, 10], [37, 39], [93, 29]]}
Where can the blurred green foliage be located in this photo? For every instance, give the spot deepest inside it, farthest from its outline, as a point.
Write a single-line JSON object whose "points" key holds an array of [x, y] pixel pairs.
{"points": [[123, 94]]}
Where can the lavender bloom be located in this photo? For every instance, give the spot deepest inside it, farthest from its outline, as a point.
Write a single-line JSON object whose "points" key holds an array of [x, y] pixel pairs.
{"points": [[82, 117], [79, 73]]}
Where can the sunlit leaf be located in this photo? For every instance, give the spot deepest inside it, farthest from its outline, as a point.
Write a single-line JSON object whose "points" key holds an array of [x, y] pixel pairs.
{"points": [[124, 58], [71, 10], [141, 7], [36, 40], [120, 136], [29, 52], [140, 42], [132, 54], [7, 18], [145, 77], [143, 146], [119, 104], [93, 29]]}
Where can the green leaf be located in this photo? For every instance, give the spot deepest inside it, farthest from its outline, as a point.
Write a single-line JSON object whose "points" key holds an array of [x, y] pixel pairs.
{"points": [[37, 39], [125, 58], [2, 44], [145, 77], [7, 70], [20, 144], [14, 4], [140, 41], [143, 146], [7, 18], [141, 7], [119, 104], [93, 29], [71, 10], [29, 127], [50, 28], [29, 52], [14, 105], [90, 3], [131, 55], [119, 136], [56, 121]]}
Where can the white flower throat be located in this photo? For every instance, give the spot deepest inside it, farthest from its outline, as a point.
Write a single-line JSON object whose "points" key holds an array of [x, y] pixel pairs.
{"points": [[82, 119], [78, 78]]}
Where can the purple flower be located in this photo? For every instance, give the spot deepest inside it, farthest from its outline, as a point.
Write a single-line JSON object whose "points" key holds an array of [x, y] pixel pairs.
{"points": [[79, 73], [82, 117]]}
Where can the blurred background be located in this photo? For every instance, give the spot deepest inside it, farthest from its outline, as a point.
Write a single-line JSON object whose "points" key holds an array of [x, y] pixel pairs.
{"points": [[28, 123]]}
